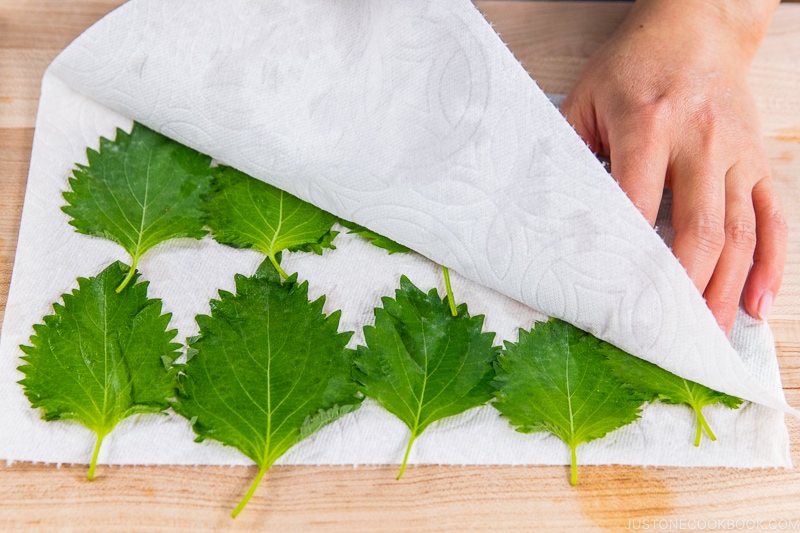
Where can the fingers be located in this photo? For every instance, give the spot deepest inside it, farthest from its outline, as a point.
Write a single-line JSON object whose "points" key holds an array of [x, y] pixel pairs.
{"points": [[698, 217], [578, 109], [725, 287], [772, 231], [725, 219], [720, 229], [639, 152], [639, 159]]}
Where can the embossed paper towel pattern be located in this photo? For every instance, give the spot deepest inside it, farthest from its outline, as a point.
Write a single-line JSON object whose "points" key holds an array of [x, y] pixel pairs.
{"points": [[481, 187], [414, 119]]}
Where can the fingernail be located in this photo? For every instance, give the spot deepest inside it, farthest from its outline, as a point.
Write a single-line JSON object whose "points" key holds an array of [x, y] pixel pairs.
{"points": [[765, 305]]}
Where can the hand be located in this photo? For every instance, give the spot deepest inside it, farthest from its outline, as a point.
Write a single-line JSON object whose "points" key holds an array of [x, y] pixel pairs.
{"points": [[666, 98]]}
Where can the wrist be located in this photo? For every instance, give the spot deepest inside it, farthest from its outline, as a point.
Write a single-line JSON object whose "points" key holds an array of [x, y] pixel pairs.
{"points": [[729, 30]]}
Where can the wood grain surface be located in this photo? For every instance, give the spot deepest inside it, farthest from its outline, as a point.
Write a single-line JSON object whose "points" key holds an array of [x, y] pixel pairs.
{"points": [[553, 41]]}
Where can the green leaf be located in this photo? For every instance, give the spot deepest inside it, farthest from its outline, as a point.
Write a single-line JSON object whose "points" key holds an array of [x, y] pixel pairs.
{"points": [[139, 190], [325, 242], [556, 379], [655, 383], [244, 212], [376, 239], [421, 363], [268, 369], [101, 356]]}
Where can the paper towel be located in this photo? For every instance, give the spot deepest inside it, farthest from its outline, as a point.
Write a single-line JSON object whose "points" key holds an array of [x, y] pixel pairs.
{"points": [[415, 120]]}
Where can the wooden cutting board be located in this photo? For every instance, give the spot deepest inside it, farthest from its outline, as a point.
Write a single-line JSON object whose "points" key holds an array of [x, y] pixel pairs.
{"points": [[553, 41]]}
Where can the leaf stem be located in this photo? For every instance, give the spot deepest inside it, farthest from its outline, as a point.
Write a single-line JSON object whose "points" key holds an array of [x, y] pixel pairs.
{"points": [[449, 288], [93, 464], [250, 492], [405, 457], [699, 433], [701, 421], [277, 266], [574, 466], [131, 272]]}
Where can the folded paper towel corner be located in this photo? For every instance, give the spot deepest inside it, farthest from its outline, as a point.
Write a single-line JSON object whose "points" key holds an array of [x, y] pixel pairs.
{"points": [[412, 118]]}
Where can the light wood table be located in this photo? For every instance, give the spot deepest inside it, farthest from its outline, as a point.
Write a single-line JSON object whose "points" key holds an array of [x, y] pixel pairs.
{"points": [[553, 42]]}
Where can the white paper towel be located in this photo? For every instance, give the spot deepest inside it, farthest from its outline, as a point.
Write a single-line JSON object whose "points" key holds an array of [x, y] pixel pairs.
{"points": [[411, 118]]}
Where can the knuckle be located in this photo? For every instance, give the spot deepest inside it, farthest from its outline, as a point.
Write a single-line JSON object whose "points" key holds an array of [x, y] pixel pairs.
{"points": [[653, 116], [707, 118], [740, 233], [726, 303], [708, 230]]}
